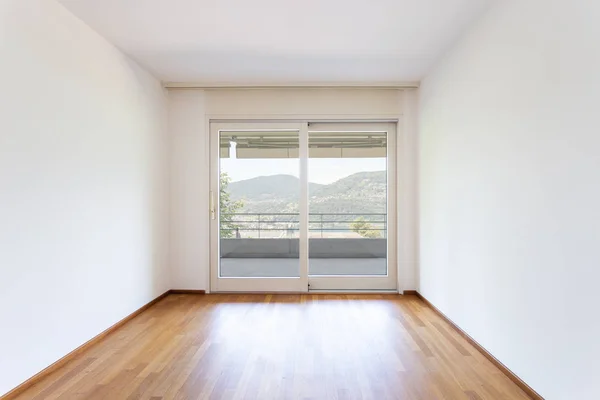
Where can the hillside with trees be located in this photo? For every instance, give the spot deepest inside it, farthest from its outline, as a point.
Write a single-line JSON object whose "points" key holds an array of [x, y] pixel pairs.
{"points": [[360, 193], [356, 203]]}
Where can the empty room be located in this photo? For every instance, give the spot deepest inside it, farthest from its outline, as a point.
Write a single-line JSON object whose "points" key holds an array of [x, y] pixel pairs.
{"points": [[278, 199]]}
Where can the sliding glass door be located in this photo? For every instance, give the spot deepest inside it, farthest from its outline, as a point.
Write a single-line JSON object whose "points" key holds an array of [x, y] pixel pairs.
{"points": [[352, 207], [257, 212], [298, 207]]}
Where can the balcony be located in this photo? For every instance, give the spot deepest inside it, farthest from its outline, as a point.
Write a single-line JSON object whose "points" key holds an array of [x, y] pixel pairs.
{"points": [[267, 244]]}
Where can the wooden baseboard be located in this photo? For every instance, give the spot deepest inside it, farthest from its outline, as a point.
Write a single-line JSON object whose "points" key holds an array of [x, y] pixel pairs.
{"points": [[518, 381], [64, 360], [186, 291], [410, 293]]}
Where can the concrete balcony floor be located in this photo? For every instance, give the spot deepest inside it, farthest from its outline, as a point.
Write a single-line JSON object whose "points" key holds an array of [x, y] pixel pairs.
{"points": [[289, 267]]}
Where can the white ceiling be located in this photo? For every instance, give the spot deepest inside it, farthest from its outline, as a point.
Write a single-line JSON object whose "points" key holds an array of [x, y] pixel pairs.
{"points": [[281, 41]]}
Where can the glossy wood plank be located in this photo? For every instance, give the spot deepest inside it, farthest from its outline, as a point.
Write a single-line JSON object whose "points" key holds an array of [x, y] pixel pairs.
{"points": [[241, 346], [512, 376], [72, 355]]}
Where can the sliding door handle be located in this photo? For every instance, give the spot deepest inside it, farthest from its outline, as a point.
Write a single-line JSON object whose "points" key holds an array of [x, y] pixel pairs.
{"points": [[213, 212]]}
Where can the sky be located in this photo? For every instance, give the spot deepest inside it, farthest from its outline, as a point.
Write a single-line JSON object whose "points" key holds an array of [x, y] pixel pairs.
{"points": [[320, 170]]}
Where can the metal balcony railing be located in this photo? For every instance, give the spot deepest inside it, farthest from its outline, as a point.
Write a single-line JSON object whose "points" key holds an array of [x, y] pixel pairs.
{"points": [[287, 225]]}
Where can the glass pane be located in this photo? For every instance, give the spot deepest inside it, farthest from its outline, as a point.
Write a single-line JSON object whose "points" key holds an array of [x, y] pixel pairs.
{"points": [[347, 172], [259, 194]]}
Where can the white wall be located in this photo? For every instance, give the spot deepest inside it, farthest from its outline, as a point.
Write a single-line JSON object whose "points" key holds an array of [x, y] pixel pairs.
{"points": [[190, 188], [82, 187], [510, 191], [190, 112]]}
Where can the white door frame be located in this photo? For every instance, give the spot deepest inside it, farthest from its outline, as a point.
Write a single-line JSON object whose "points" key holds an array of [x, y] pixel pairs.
{"points": [[301, 284]]}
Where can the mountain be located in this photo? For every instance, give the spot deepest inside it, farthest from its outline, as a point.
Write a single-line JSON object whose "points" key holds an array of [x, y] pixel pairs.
{"points": [[360, 193], [265, 188]]}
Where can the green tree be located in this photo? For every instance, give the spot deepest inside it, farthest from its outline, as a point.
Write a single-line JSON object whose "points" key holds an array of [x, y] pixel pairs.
{"points": [[364, 228], [227, 207]]}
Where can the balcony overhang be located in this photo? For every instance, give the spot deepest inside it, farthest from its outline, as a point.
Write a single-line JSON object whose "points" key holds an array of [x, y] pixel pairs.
{"points": [[285, 144]]}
